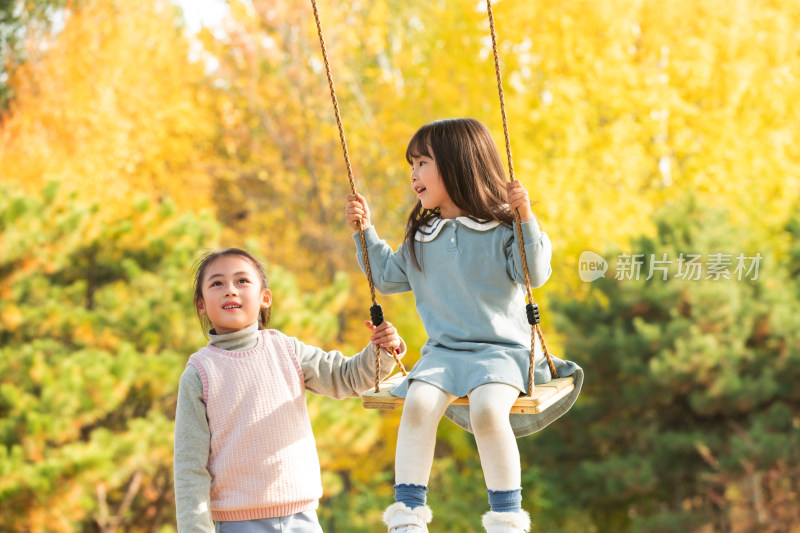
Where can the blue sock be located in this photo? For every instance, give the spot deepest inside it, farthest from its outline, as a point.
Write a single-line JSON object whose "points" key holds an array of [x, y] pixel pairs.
{"points": [[411, 495], [505, 501]]}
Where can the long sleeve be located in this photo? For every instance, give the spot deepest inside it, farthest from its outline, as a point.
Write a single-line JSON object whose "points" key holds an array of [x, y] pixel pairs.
{"points": [[192, 448], [335, 375], [538, 252], [388, 268]]}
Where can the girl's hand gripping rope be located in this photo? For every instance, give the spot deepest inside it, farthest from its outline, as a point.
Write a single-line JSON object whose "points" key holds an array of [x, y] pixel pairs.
{"points": [[386, 336], [357, 211], [518, 199]]}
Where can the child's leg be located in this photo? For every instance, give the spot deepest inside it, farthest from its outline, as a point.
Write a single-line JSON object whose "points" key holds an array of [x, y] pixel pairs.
{"points": [[424, 406], [489, 406], [416, 438]]}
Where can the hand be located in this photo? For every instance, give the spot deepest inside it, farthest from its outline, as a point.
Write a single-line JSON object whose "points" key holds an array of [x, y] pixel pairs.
{"points": [[357, 211], [386, 337], [518, 199]]}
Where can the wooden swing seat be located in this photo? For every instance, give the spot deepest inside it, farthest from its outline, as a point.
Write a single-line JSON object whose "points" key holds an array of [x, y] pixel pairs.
{"points": [[544, 396]]}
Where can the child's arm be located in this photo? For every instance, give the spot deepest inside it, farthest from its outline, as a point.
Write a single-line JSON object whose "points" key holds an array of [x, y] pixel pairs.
{"points": [[192, 443], [335, 375], [538, 250], [388, 268]]}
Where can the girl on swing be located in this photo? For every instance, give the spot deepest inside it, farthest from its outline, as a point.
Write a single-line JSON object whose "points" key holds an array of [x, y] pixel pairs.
{"points": [[461, 259]]}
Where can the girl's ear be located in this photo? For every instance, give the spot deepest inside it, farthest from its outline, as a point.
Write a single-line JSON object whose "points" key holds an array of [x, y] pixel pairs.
{"points": [[200, 305], [266, 301]]}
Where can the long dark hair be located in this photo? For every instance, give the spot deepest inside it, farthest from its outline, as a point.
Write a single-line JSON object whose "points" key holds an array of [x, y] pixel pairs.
{"points": [[471, 169], [201, 267]]}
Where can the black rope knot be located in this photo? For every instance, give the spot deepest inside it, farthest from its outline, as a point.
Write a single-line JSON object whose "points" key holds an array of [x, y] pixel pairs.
{"points": [[533, 313], [377, 315]]}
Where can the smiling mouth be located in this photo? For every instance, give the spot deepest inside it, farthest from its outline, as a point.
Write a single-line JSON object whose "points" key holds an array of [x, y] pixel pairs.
{"points": [[232, 306], [419, 190]]}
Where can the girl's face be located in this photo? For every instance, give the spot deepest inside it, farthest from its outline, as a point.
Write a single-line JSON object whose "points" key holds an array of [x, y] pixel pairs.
{"points": [[429, 187], [232, 294]]}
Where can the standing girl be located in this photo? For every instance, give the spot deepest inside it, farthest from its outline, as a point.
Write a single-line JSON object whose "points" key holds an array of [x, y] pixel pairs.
{"points": [[245, 455], [461, 259]]}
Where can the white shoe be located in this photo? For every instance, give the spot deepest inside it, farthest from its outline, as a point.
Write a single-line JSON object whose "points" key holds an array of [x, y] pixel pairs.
{"points": [[516, 522], [402, 519]]}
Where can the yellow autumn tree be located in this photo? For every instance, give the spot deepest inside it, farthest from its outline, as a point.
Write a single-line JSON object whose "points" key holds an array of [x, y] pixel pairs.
{"points": [[618, 107], [614, 109], [111, 106]]}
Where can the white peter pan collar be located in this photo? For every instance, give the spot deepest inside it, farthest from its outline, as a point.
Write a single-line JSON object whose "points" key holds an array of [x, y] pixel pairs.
{"points": [[431, 229]]}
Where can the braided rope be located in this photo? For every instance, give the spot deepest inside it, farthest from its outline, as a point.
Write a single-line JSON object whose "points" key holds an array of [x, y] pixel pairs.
{"points": [[535, 329], [362, 238]]}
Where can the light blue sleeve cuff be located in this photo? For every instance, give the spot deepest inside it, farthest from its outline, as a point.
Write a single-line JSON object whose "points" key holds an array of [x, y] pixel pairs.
{"points": [[530, 231], [370, 236]]}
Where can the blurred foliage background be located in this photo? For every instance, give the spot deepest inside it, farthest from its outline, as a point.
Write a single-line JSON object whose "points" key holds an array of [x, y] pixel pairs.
{"points": [[129, 142]]}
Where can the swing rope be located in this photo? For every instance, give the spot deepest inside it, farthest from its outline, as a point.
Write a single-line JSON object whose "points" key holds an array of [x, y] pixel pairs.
{"points": [[376, 313], [532, 309]]}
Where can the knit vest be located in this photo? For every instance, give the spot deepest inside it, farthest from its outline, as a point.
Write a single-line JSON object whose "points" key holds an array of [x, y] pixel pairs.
{"points": [[263, 459]]}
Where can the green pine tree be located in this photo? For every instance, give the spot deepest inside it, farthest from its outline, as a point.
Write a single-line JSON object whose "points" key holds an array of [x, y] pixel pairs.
{"points": [[94, 335], [689, 415]]}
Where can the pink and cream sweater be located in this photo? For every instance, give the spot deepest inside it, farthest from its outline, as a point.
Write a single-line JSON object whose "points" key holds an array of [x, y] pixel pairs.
{"points": [[248, 396], [244, 448]]}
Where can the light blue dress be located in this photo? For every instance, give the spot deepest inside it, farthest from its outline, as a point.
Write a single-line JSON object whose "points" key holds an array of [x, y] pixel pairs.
{"points": [[470, 297]]}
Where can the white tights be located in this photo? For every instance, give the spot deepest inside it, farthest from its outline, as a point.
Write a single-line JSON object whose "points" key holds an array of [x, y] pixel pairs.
{"points": [[489, 406]]}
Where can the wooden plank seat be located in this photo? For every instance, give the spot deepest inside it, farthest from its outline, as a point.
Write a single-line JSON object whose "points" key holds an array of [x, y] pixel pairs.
{"points": [[544, 396]]}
